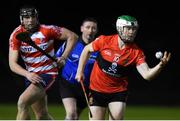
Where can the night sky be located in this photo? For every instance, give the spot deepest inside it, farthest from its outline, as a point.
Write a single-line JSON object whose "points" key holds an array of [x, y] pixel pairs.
{"points": [[159, 30]]}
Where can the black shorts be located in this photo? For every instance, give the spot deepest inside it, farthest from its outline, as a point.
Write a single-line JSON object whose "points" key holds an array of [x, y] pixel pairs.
{"points": [[68, 89], [103, 99]]}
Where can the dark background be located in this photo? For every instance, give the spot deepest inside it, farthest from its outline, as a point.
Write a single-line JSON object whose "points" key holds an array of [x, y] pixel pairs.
{"points": [[159, 30]]}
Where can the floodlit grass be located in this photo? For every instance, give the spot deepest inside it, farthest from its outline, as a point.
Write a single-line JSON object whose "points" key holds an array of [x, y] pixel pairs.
{"points": [[152, 113], [8, 112]]}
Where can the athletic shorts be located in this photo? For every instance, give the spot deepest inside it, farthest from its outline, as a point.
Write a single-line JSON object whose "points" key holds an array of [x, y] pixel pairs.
{"points": [[68, 90], [48, 80], [103, 99]]}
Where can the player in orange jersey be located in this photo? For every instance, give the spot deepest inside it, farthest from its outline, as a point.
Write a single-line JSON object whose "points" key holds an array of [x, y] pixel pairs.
{"points": [[108, 81], [41, 71]]}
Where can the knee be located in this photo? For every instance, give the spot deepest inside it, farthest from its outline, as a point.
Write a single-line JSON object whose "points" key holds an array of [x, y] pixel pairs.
{"points": [[22, 104], [71, 116]]}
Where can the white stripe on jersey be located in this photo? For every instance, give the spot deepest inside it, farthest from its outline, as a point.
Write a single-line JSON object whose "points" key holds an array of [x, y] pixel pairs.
{"points": [[37, 59], [37, 35], [43, 46], [52, 73], [31, 56], [42, 68]]}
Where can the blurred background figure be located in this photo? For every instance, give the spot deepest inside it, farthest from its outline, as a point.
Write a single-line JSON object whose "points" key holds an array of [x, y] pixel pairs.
{"points": [[71, 91]]}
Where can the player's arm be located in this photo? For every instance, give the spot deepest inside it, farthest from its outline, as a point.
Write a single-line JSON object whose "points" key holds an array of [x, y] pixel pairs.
{"points": [[71, 39], [16, 68], [150, 73], [13, 63], [82, 61]]}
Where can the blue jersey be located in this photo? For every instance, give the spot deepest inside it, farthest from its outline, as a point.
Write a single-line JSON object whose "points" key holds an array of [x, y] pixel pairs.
{"points": [[70, 68]]}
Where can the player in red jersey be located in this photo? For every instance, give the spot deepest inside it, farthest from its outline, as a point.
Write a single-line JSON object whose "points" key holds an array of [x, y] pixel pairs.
{"points": [[40, 72], [108, 82]]}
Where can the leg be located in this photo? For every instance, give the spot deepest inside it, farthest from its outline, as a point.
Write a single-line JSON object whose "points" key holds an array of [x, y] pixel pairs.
{"points": [[41, 110], [71, 108], [28, 97], [116, 110], [72, 97], [98, 113]]}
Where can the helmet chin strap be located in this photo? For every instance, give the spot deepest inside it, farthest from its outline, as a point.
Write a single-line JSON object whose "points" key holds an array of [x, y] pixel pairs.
{"points": [[124, 40], [127, 41]]}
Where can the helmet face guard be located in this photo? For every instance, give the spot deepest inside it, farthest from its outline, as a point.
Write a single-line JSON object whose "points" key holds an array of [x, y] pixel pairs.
{"points": [[29, 12], [129, 22]]}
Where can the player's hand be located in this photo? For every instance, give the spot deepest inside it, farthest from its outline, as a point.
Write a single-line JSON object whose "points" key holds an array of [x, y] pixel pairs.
{"points": [[165, 59], [34, 78], [79, 77], [61, 61]]}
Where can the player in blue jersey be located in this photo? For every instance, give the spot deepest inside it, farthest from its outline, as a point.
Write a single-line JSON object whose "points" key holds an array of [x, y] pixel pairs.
{"points": [[70, 90]]}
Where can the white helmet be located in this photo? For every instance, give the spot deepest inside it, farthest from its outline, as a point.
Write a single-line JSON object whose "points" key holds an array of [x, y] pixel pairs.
{"points": [[126, 21]]}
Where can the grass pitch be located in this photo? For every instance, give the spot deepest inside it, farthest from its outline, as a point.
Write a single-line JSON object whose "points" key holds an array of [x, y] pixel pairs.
{"points": [[8, 112]]}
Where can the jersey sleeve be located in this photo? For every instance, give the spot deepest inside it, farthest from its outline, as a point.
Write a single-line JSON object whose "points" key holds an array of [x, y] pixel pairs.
{"points": [[97, 44], [55, 32], [140, 57], [13, 42]]}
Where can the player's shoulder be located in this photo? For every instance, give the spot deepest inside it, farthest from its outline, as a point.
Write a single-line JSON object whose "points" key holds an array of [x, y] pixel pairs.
{"points": [[45, 26], [135, 47], [106, 37], [54, 28], [16, 31]]}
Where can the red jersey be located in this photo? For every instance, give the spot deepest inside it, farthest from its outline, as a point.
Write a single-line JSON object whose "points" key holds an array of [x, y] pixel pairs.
{"points": [[34, 60], [109, 50]]}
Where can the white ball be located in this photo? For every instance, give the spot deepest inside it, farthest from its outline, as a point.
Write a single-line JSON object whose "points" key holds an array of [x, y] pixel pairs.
{"points": [[159, 55]]}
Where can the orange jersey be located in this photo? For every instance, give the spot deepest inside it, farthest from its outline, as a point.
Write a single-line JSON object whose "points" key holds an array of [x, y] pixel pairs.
{"points": [[34, 60], [101, 80]]}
